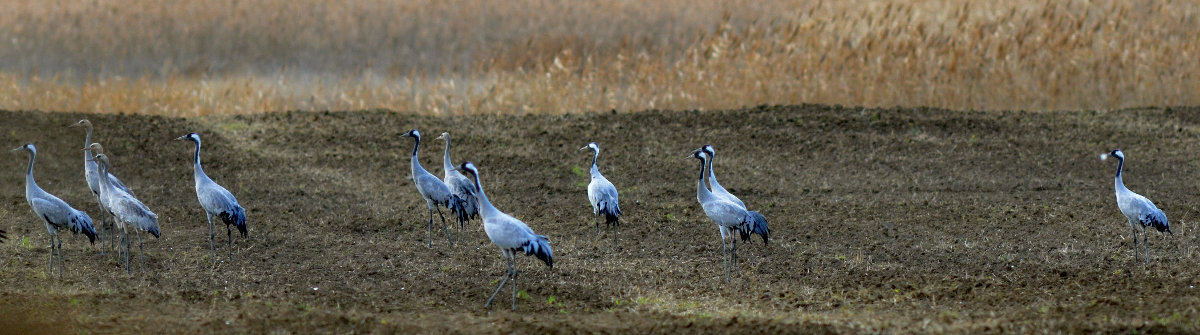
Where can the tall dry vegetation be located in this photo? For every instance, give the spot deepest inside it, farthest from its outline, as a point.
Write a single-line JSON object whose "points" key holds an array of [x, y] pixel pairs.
{"points": [[528, 56]]}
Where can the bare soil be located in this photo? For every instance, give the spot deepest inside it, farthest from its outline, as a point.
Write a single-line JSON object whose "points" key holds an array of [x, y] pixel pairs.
{"points": [[885, 220]]}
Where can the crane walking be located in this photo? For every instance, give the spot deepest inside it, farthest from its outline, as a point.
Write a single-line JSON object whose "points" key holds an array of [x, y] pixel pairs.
{"points": [[54, 212], [758, 222], [126, 210], [1138, 210], [461, 187], [510, 234], [90, 173], [725, 213], [216, 201], [432, 189], [602, 194]]}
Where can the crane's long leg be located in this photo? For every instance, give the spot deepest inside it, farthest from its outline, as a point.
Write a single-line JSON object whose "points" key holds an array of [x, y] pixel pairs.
{"points": [[229, 232], [125, 241], [212, 238], [141, 252], [1146, 243], [429, 227], [60, 257], [724, 254], [1135, 244], [100, 232], [733, 255], [505, 281], [515, 273], [444, 226]]}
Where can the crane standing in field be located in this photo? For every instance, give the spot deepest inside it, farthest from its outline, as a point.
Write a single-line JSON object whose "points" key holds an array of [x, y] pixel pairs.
{"points": [[467, 207], [54, 212], [757, 223], [1138, 210], [126, 210], [91, 175], [602, 194], [216, 201], [725, 213], [510, 234], [432, 189]]}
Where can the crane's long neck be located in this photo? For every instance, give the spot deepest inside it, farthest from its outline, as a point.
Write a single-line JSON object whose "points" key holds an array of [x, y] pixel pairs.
{"points": [[595, 169], [702, 193], [102, 173], [29, 182], [712, 178], [447, 165], [87, 142], [1120, 185], [416, 163], [485, 205], [197, 170]]}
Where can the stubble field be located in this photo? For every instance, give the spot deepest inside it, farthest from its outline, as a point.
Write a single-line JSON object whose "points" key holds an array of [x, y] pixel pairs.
{"points": [[885, 220]]}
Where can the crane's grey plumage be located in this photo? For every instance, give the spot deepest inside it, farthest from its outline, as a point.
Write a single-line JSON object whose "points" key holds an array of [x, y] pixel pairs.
{"points": [[467, 207], [758, 222], [1138, 210], [128, 211], [602, 194], [726, 214], [54, 212], [216, 201], [432, 189], [508, 233], [90, 173]]}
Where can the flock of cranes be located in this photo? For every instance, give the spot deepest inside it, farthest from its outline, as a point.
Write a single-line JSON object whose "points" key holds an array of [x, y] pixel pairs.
{"points": [[117, 201], [460, 192]]}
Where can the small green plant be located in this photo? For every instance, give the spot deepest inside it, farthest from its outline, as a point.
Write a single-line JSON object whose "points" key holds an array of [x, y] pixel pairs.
{"points": [[579, 171], [523, 295], [550, 300]]}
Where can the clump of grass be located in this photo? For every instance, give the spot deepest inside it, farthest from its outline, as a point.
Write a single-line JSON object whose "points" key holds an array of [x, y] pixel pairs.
{"points": [[472, 56]]}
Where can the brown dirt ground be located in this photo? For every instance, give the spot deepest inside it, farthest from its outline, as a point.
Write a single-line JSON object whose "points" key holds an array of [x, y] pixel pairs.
{"points": [[885, 220]]}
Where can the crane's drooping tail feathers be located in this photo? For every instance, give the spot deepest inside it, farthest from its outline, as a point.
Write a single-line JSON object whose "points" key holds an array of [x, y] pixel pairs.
{"points": [[1158, 220], [758, 225], [462, 208], [540, 247], [611, 213], [80, 222], [237, 218]]}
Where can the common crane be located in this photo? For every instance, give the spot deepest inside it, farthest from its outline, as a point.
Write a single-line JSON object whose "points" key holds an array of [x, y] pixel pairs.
{"points": [[54, 212], [460, 186], [216, 201], [90, 174], [726, 214], [602, 194], [510, 234], [1138, 210], [128, 211], [432, 189], [758, 222]]}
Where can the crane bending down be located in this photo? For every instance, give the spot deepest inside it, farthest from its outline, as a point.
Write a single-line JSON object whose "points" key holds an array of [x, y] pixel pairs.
{"points": [[602, 194], [758, 222], [127, 211], [725, 213], [510, 234], [217, 201], [432, 189], [54, 212], [1138, 210], [460, 186], [90, 173]]}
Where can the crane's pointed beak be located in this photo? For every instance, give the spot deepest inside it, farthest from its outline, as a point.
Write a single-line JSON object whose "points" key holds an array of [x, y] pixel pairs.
{"points": [[73, 125], [18, 149], [184, 137], [583, 148]]}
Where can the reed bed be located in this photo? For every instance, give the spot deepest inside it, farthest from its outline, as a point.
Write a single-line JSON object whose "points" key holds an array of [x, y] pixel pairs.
{"points": [[528, 56]]}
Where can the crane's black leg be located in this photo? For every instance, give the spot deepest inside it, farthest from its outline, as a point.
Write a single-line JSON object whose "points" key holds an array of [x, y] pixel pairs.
{"points": [[60, 257], [444, 226], [1146, 243], [430, 227], [229, 232], [515, 273], [212, 238], [505, 281], [125, 240], [141, 252], [733, 255]]}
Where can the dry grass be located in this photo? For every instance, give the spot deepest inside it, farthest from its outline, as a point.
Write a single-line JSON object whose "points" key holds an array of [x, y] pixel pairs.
{"points": [[530, 56]]}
